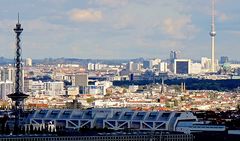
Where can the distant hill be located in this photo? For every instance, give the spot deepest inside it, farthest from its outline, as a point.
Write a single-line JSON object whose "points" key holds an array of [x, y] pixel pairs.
{"points": [[83, 62], [4, 61]]}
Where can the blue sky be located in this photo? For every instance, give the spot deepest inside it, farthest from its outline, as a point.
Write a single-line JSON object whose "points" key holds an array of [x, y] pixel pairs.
{"points": [[107, 29]]}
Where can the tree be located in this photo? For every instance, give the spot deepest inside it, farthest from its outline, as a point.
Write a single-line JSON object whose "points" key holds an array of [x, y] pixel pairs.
{"points": [[238, 107], [124, 91], [90, 100], [175, 102], [4, 105], [167, 104], [109, 92], [177, 88]]}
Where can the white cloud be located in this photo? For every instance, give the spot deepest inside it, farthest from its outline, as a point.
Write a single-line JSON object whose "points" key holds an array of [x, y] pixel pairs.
{"points": [[85, 15], [111, 3], [39, 25], [124, 21], [180, 28]]}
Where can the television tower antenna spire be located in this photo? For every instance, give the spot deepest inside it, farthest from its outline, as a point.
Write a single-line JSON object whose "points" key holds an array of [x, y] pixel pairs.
{"points": [[18, 17], [213, 34]]}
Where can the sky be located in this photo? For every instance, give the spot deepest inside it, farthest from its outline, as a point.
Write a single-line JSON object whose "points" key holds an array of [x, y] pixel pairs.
{"points": [[119, 29]]}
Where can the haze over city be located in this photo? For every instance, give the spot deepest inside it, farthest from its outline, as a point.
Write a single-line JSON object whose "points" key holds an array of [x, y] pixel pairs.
{"points": [[110, 29]]}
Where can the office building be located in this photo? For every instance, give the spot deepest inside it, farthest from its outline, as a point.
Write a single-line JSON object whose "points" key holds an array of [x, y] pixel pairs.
{"points": [[224, 59], [162, 67], [98, 66], [153, 63], [133, 67], [54, 88], [136, 67], [206, 64], [129, 66], [182, 66], [28, 62], [72, 91], [146, 64], [6, 87], [8, 74], [34, 87], [80, 80], [99, 87], [173, 56], [90, 66], [196, 68]]}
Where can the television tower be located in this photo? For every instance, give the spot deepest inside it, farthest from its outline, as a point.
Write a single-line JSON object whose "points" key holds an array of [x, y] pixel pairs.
{"points": [[213, 34], [18, 96]]}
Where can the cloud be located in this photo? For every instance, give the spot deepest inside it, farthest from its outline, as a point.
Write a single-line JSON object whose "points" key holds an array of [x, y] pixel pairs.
{"points": [[85, 15], [110, 3], [124, 21], [171, 43], [180, 28], [39, 25]]}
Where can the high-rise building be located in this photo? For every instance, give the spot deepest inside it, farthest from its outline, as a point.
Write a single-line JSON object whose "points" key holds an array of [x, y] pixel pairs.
{"points": [[99, 87], [133, 67], [151, 64], [196, 68], [99, 66], [146, 64], [224, 59], [136, 67], [163, 67], [6, 87], [54, 88], [182, 66], [90, 66], [154, 63], [34, 87], [206, 64], [8, 73], [80, 80], [173, 56], [72, 91], [28, 62], [130, 66]]}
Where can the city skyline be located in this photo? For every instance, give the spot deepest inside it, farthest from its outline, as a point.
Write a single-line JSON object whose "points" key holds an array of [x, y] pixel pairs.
{"points": [[100, 28]]}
